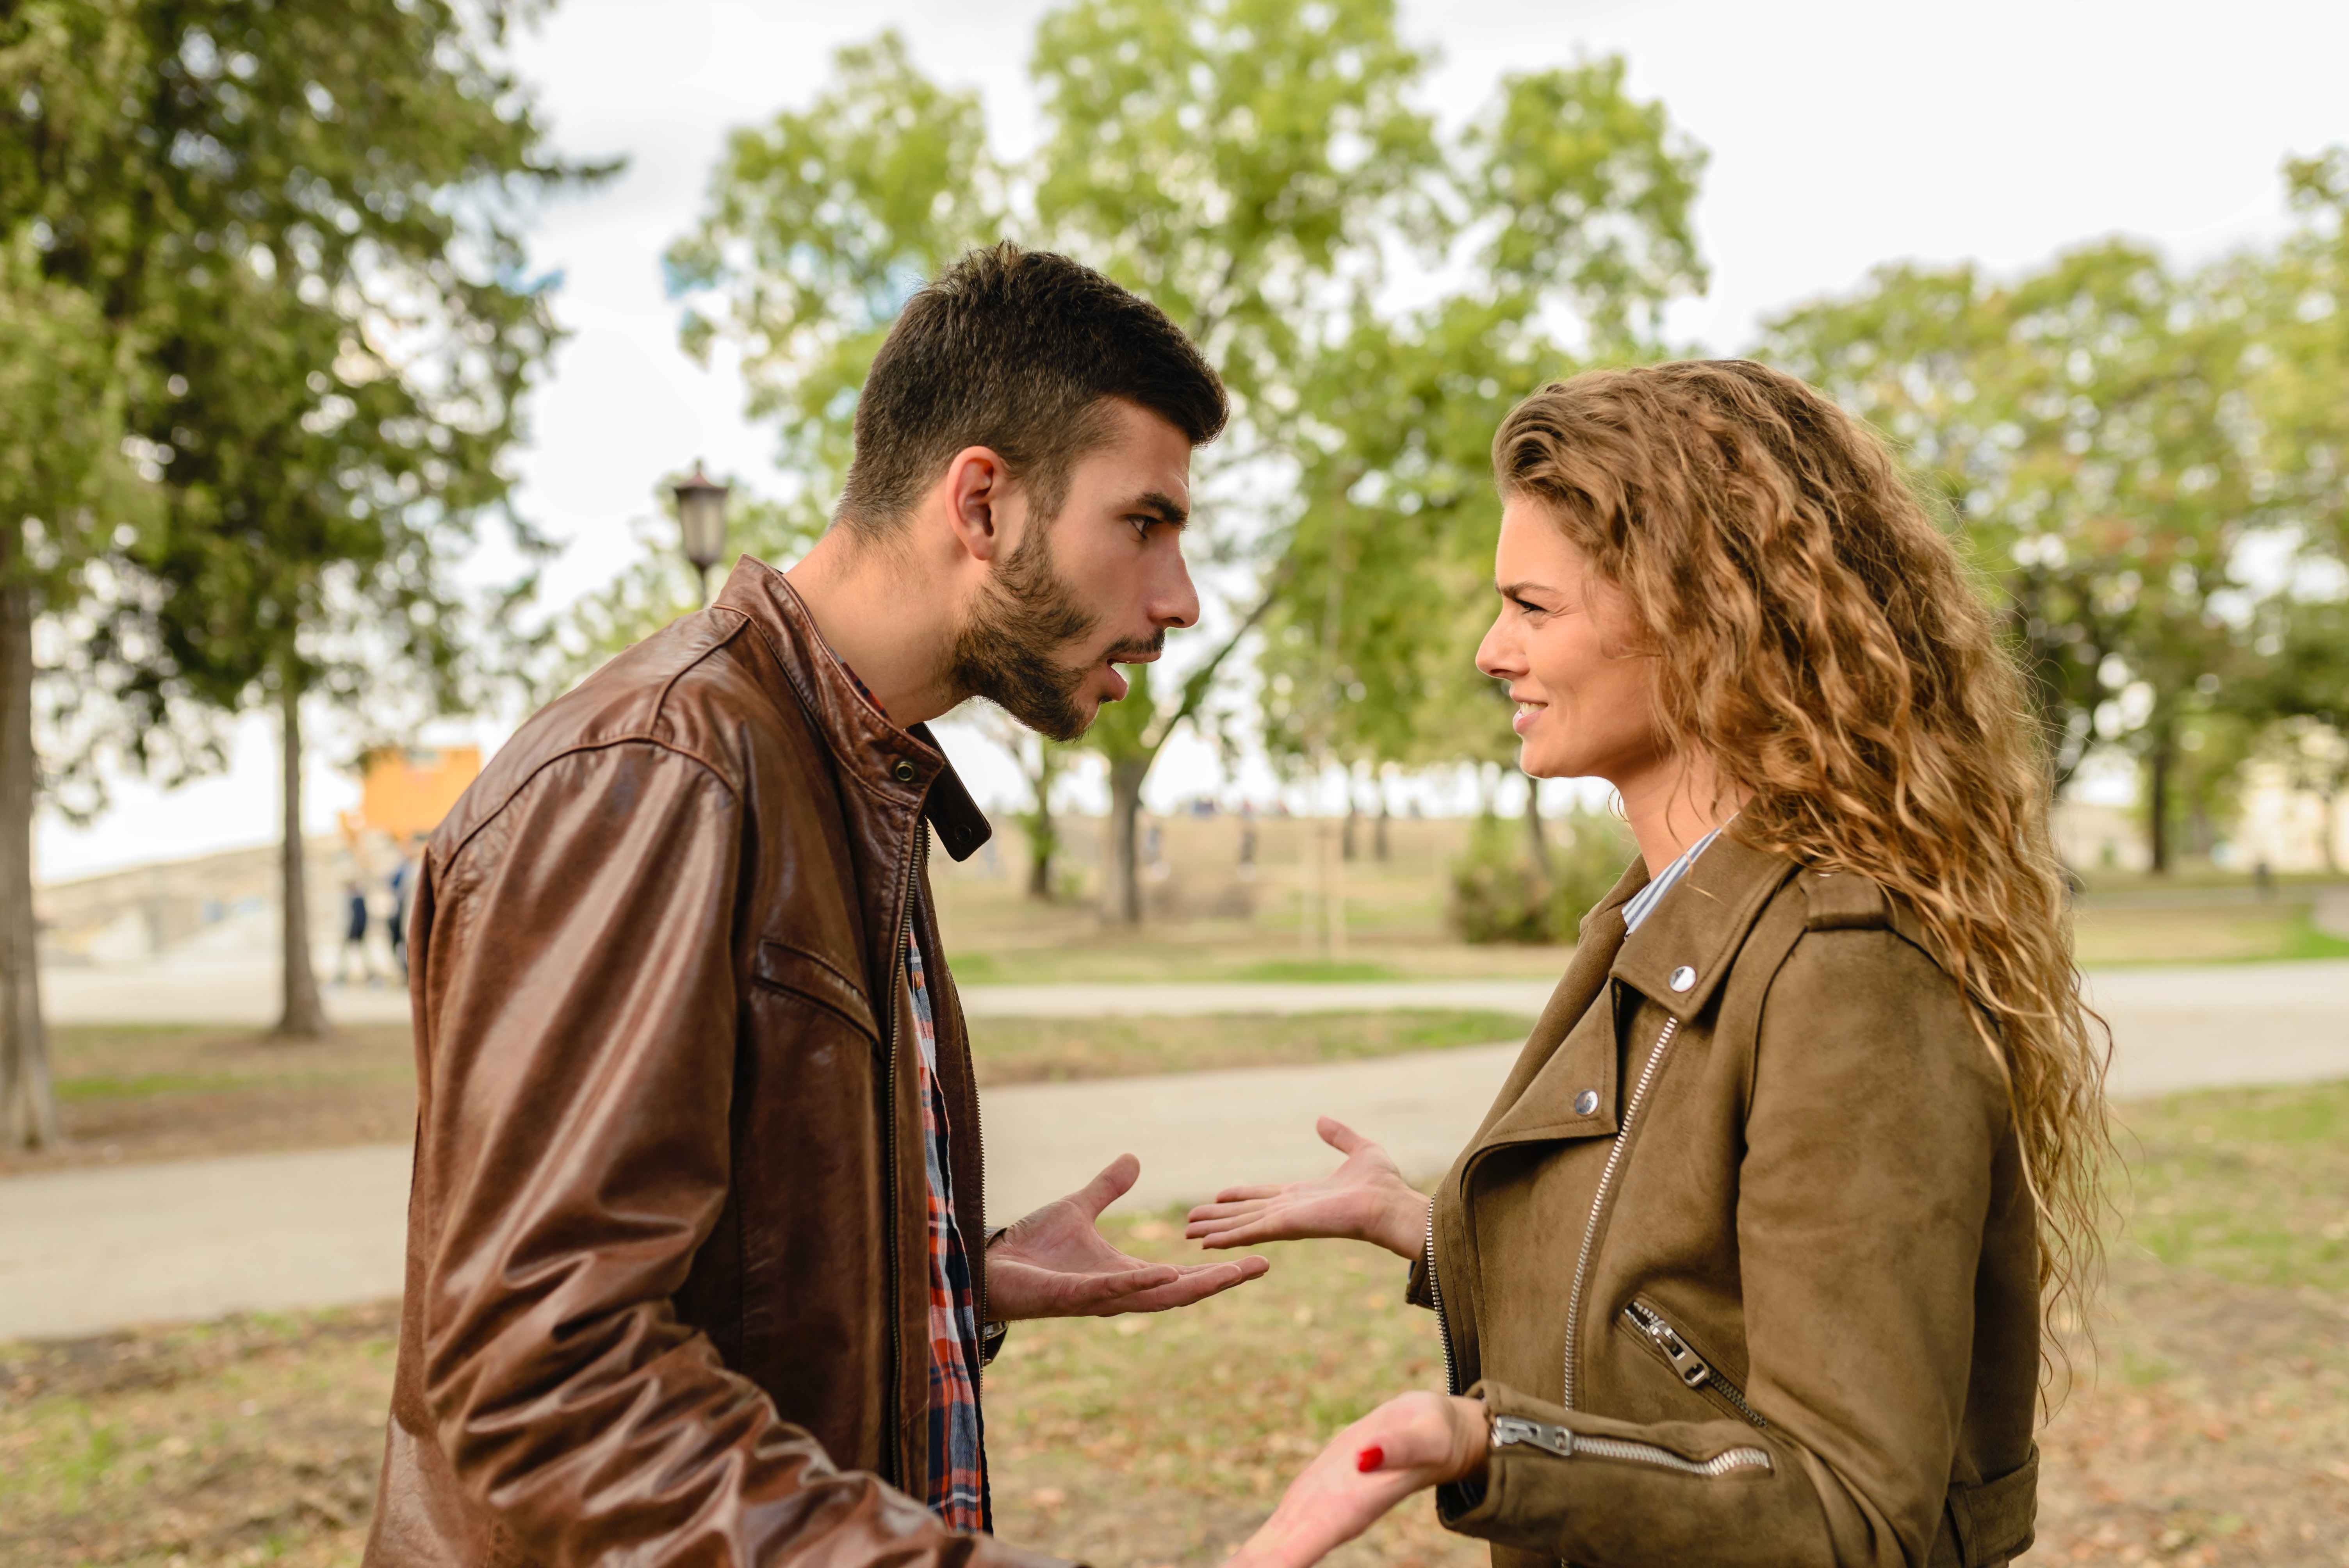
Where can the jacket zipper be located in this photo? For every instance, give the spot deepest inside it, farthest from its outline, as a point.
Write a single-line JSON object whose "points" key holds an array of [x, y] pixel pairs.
{"points": [[1509, 1431], [1435, 1299], [889, 1127], [1694, 1370], [1599, 1199]]}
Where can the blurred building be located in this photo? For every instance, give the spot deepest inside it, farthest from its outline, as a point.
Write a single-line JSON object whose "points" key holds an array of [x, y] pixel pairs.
{"points": [[223, 907], [405, 790]]}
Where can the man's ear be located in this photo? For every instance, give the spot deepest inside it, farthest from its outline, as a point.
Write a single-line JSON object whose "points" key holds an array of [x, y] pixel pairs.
{"points": [[977, 487]]}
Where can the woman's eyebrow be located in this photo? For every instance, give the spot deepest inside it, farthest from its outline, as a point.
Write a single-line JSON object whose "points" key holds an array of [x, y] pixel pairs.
{"points": [[1514, 590]]}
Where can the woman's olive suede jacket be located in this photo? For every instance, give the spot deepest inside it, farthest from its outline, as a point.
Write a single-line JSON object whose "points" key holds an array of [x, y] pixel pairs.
{"points": [[1743, 1259]]}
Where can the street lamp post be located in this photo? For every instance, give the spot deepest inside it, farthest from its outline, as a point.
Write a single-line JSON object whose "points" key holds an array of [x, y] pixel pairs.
{"points": [[701, 522]]}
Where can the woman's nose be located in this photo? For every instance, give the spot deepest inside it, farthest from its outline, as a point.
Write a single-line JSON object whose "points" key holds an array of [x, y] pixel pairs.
{"points": [[1495, 657]]}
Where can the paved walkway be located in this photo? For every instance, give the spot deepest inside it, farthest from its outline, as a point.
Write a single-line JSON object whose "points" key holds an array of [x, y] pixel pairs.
{"points": [[84, 1251]]}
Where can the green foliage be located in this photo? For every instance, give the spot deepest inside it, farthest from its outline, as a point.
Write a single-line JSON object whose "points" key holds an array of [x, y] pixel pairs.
{"points": [[821, 225], [301, 232], [2083, 424], [1565, 199], [65, 485], [1253, 166], [1502, 893]]}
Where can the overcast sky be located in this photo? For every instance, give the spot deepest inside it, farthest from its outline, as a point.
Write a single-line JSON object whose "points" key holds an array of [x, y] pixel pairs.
{"points": [[1841, 135]]}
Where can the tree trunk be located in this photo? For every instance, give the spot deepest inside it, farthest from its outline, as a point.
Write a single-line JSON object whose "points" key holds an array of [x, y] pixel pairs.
{"points": [[1379, 849], [2158, 768], [28, 1106], [1124, 901], [303, 1018], [1346, 834], [1040, 846], [1044, 833], [1537, 845]]}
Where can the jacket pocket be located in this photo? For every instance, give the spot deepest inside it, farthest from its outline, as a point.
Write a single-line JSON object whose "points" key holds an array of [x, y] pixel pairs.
{"points": [[812, 979], [1655, 1332]]}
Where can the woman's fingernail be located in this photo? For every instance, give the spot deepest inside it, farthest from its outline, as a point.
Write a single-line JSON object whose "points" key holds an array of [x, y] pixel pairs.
{"points": [[1370, 1458]]}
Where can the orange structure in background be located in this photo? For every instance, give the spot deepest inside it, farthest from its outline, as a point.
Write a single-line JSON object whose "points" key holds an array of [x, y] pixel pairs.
{"points": [[405, 790]]}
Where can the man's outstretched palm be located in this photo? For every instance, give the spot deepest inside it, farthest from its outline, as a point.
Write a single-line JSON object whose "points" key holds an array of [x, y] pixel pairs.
{"points": [[1055, 1263]]}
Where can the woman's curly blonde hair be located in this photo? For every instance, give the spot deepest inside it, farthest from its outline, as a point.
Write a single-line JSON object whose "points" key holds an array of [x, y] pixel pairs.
{"points": [[1821, 644]]}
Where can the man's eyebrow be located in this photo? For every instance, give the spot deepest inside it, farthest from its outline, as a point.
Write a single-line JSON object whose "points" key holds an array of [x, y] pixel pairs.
{"points": [[1160, 505]]}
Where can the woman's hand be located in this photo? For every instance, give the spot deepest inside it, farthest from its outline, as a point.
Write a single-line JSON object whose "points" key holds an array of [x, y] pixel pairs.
{"points": [[1364, 1200], [1407, 1443]]}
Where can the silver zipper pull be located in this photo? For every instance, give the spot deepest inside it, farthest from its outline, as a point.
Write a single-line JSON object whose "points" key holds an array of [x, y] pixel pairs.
{"points": [[1510, 1430], [1693, 1367]]}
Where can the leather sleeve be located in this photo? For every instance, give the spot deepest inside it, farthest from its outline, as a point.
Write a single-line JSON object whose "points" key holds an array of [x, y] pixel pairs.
{"points": [[580, 997], [1875, 1121]]}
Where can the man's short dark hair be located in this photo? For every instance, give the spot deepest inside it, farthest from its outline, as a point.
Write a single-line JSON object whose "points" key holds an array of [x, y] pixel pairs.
{"points": [[1015, 350]]}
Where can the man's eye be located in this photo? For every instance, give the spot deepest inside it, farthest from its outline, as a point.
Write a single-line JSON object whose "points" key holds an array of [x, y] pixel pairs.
{"points": [[1142, 527]]}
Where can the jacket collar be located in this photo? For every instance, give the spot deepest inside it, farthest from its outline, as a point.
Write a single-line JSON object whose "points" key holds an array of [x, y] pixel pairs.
{"points": [[892, 763], [1681, 953]]}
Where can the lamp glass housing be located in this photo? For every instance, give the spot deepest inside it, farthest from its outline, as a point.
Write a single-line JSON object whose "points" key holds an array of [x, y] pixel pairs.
{"points": [[701, 519]]}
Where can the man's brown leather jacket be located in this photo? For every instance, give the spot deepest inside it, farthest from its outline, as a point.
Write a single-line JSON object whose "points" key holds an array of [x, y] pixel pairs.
{"points": [[668, 1279], [1743, 1259]]}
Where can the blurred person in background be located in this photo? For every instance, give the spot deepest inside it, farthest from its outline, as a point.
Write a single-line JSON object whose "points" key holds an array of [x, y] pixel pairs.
{"points": [[356, 918], [1749, 1261], [403, 883], [698, 1271]]}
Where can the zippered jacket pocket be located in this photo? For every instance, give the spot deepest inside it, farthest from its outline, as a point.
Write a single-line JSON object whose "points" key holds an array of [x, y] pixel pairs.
{"points": [[1641, 1320], [1566, 1443]]}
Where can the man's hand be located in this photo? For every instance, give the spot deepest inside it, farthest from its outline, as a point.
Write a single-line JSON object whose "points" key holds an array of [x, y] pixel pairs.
{"points": [[1054, 1263], [1415, 1441], [1364, 1200]]}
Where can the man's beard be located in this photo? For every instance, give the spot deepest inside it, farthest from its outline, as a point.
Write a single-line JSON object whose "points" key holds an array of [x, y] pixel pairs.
{"points": [[1007, 652]]}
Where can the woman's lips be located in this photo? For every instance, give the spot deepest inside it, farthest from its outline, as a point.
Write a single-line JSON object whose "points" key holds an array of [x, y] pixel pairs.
{"points": [[1527, 712]]}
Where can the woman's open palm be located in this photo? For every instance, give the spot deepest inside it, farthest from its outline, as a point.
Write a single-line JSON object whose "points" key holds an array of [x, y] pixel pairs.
{"points": [[1366, 1199]]}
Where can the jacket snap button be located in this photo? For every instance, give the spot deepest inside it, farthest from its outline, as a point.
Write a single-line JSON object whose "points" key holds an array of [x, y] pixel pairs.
{"points": [[1683, 977], [904, 770], [1586, 1102]]}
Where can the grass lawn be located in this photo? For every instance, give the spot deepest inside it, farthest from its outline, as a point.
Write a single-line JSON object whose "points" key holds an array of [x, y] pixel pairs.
{"points": [[164, 1092], [2208, 1423]]}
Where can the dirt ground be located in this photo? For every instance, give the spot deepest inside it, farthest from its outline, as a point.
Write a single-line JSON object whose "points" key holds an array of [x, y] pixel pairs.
{"points": [[2208, 1423], [2210, 1427]]}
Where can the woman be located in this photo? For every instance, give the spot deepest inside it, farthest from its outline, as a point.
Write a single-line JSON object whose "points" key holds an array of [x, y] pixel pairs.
{"points": [[1748, 1261]]}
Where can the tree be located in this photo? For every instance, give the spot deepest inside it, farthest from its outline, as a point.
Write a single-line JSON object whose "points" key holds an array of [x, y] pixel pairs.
{"points": [[2086, 428], [67, 493], [1042, 762], [1255, 168], [65, 489], [309, 225], [1565, 206]]}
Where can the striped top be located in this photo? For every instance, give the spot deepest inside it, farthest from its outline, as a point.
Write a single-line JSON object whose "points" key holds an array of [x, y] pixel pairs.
{"points": [[1644, 902]]}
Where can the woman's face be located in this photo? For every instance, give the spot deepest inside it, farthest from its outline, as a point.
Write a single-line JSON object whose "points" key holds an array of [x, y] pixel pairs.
{"points": [[1565, 643]]}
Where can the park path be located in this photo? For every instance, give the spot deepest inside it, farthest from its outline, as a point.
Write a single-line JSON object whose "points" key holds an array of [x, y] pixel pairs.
{"points": [[85, 1251]]}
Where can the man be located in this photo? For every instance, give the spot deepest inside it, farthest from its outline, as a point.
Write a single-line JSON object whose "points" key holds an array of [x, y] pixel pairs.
{"points": [[697, 1269]]}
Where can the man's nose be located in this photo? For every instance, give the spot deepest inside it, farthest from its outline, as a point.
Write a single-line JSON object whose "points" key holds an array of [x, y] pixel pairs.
{"points": [[1177, 603]]}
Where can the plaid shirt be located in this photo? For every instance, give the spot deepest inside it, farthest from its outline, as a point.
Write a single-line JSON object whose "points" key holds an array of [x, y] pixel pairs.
{"points": [[957, 1435], [957, 1489]]}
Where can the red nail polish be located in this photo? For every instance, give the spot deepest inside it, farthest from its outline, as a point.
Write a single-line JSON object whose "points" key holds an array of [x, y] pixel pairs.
{"points": [[1370, 1458]]}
